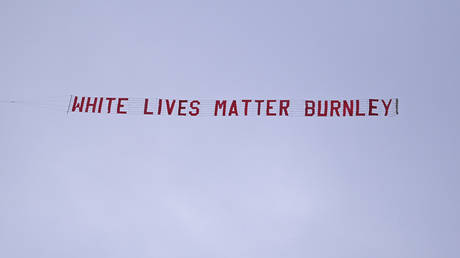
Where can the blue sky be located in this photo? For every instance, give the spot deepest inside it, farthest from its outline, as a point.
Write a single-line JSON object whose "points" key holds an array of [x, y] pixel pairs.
{"points": [[111, 186]]}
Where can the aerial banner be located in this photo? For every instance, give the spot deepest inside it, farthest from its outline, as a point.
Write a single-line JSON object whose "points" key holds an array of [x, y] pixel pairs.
{"points": [[234, 107]]}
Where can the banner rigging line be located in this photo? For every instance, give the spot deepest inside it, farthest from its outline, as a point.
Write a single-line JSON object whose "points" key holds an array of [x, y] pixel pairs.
{"points": [[222, 107]]}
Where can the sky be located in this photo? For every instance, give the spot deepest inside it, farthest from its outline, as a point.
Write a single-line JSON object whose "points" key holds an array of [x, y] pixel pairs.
{"points": [[87, 185]]}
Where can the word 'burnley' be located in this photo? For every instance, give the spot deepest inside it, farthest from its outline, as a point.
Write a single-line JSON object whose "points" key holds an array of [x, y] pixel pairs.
{"points": [[234, 107]]}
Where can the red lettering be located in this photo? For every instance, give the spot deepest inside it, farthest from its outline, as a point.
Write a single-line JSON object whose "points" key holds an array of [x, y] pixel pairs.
{"points": [[259, 102], [179, 111], [93, 105], [335, 107], [348, 108], [357, 109], [146, 106], [78, 105], [121, 105], [309, 105], [170, 106], [220, 105], [284, 105], [192, 106], [160, 101], [109, 105], [387, 106], [233, 109], [372, 107], [246, 103], [270, 107], [101, 99], [325, 108]]}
